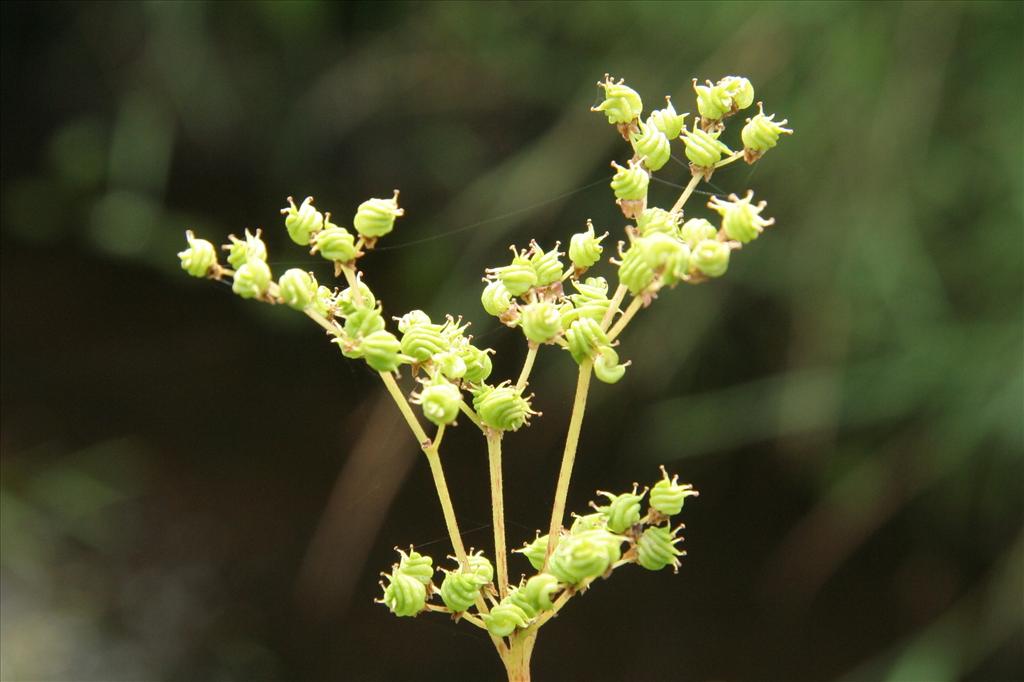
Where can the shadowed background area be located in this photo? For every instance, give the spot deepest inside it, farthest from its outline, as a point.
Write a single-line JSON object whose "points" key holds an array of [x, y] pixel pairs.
{"points": [[197, 487]]}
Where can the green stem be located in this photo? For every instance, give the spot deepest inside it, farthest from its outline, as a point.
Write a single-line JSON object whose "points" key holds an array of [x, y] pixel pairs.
{"points": [[498, 510], [633, 309], [531, 355], [694, 181], [572, 440], [613, 307]]}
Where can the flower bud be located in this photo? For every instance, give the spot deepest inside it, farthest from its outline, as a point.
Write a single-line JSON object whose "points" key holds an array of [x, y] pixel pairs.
{"points": [[630, 182], [696, 230], [348, 303], [591, 301], [450, 364], [579, 557], [240, 252], [496, 299], [657, 220], [703, 148], [585, 248], [199, 257], [634, 271], [656, 548], [252, 279], [713, 101], [459, 590], [667, 495], [535, 551], [335, 244], [404, 595], [711, 257], [621, 103], [323, 301], [538, 591], [441, 401], [422, 341], [480, 566], [505, 618], [540, 321], [381, 351], [302, 221], [584, 337], [546, 264], [667, 120], [518, 277], [761, 133], [581, 524], [412, 319], [607, 367], [651, 146], [416, 565], [363, 322], [519, 598], [739, 90], [622, 511], [376, 217], [478, 363], [503, 408], [298, 288], [741, 220]]}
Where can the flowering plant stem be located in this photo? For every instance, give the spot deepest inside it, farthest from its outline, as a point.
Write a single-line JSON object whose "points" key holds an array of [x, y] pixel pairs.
{"points": [[498, 510]]}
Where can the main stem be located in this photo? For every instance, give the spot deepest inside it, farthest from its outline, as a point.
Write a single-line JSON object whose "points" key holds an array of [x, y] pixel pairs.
{"points": [[498, 510], [572, 440]]}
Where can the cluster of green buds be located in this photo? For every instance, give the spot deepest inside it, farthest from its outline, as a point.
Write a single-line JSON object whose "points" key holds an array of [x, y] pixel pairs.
{"points": [[410, 588]]}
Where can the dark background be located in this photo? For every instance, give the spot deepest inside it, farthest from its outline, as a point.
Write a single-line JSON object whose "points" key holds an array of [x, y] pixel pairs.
{"points": [[198, 487]]}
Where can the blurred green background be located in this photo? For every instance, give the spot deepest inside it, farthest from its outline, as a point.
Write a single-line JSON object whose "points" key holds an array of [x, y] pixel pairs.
{"points": [[194, 487]]}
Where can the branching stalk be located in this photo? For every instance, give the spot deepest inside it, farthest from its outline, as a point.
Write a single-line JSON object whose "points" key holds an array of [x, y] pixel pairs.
{"points": [[498, 510]]}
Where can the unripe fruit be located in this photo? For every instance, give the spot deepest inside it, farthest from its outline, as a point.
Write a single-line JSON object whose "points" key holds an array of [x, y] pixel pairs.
{"points": [[376, 217], [585, 248], [621, 103], [302, 221], [298, 288], [711, 257], [199, 257], [252, 279]]}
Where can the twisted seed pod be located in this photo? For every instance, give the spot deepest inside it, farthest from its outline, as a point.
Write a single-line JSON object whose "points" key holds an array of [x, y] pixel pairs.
{"points": [[346, 301], [518, 277], [538, 591], [621, 103], [739, 89], [422, 341], [711, 257], [667, 495], [323, 301], [404, 595], [441, 402], [240, 252], [590, 289], [450, 364], [611, 542], [547, 265], [584, 337], [585, 248], [696, 230], [298, 288], [535, 551], [630, 182], [540, 321], [381, 351], [503, 408], [496, 299], [634, 271], [713, 101], [416, 565], [363, 322], [741, 220], [199, 257], [703, 148], [302, 221], [505, 618], [761, 132], [335, 244], [622, 511], [459, 590], [412, 319], [252, 279], [667, 120], [657, 220], [376, 217], [607, 367], [518, 598], [587, 522], [666, 255], [590, 302], [481, 567], [656, 548], [651, 145], [478, 363], [579, 557]]}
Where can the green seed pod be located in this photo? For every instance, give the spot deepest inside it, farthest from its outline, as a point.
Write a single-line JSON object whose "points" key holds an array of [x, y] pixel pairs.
{"points": [[422, 341], [741, 220], [740, 90], [667, 120], [711, 257], [696, 230], [622, 511], [538, 591], [703, 148], [496, 299], [517, 597], [503, 408], [535, 551], [584, 337], [714, 102], [578, 558], [335, 244], [621, 103], [607, 367], [346, 301], [546, 264], [450, 364], [298, 288], [376, 217], [412, 319], [667, 495], [252, 279], [611, 542], [481, 567], [590, 289], [540, 321], [240, 252], [505, 618], [404, 595], [581, 524], [459, 590], [761, 133], [302, 221], [634, 271], [323, 302], [416, 565], [651, 146], [660, 250], [630, 182], [199, 257], [518, 277], [657, 220], [478, 363], [585, 248], [656, 548], [441, 401], [381, 351], [363, 322]]}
